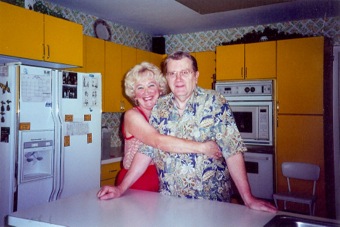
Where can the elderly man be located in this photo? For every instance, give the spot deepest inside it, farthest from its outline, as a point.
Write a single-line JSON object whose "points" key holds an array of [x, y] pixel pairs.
{"points": [[190, 112]]}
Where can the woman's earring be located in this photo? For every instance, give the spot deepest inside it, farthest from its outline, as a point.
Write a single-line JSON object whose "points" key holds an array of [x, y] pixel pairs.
{"points": [[136, 102]]}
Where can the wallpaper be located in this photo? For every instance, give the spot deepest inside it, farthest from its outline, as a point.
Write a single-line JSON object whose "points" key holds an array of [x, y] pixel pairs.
{"points": [[207, 41]]}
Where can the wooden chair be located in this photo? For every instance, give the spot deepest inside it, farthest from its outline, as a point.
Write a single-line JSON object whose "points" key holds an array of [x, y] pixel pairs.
{"points": [[302, 171]]}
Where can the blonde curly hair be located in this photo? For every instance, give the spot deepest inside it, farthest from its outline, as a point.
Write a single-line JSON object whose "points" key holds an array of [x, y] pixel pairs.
{"points": [[139, 71]]}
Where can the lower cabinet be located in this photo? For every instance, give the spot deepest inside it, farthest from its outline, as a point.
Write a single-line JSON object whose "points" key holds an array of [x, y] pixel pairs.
{"points": [[109, 172], [300, 139]]}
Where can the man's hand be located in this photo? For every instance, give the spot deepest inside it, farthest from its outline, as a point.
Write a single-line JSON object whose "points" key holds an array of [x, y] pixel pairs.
{"points": [[261, 205], [109, 192], [238, 173]]}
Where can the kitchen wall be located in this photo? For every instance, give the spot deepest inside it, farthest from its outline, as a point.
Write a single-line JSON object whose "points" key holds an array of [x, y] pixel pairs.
{"points": [[192, 42], [205, 40]]}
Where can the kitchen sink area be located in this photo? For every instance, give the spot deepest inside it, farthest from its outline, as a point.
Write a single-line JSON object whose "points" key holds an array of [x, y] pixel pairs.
{"points": [[293, 221]]}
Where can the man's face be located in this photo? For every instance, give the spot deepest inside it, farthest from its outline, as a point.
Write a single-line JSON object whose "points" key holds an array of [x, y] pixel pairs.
{"points": [[181, 78]]}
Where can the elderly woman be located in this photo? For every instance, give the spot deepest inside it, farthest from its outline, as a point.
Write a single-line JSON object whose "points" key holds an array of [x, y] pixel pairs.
{"points": [[143, 85]]}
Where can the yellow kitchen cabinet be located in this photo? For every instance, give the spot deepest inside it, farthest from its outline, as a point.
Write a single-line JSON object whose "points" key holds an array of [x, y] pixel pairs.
{"points": [[246, 61], [206, 67], [95, 55], [302, 135], [64, 41], [109, 173], [129, 60], [31, 35], [300, 139], [21, 32], [151, 57], [113, 87], [300, 75], [230, 62], [83, 67]]}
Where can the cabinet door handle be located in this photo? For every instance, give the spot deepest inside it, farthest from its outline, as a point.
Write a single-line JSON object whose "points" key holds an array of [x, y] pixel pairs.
{"points": [[245, 72], [48, 51], [241, 71], [277, 118], [43, 57], [112, 171], [122, 105]]}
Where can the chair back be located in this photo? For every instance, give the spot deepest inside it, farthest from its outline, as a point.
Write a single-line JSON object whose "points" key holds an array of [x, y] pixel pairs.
{"points": [[302, 171]]}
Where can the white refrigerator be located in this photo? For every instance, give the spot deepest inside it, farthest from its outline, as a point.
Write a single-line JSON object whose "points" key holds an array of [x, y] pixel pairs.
{"points": [[50, 127]]}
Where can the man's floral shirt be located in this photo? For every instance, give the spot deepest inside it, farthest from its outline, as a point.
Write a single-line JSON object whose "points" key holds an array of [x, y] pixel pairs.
{"points": [[207, 116]]}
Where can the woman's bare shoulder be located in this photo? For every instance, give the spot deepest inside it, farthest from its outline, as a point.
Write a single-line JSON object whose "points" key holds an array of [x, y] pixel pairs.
{"points": [[133, 114]]}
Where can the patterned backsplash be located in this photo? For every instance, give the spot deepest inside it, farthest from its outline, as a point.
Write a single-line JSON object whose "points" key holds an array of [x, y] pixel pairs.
{"points": [[112, 121]]}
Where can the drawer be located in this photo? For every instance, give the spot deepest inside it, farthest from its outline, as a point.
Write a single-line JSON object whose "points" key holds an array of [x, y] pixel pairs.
{"points": [[109, 170], [110, 182]]}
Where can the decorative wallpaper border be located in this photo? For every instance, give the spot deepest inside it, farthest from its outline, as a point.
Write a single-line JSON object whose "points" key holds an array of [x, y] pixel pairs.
{"points": [[207, 41]]}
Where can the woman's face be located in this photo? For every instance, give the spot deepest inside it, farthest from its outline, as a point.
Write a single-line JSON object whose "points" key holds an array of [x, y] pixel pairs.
{"points": [[147, 92]]}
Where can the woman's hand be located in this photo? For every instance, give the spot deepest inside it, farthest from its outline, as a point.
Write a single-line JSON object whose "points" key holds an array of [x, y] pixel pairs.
{"points": [[109, 192], [211, 149]]}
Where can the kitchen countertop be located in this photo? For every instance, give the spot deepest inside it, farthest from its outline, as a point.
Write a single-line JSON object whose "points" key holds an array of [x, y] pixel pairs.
{"points": [[112, 154], [139, 208]]}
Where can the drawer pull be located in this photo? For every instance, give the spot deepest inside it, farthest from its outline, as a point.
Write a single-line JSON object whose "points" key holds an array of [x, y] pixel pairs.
{"points": [[112, 171]]}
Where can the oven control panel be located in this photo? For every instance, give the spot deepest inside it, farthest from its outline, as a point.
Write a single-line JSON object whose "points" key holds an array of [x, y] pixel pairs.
{"points": [[246, 88]]}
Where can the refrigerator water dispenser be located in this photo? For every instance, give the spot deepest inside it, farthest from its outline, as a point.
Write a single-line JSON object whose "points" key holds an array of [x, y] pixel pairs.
{"points": [[36, 156]]}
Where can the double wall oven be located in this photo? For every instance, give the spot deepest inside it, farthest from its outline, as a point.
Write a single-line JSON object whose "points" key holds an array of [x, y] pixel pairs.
{"points": [[252, 105]]}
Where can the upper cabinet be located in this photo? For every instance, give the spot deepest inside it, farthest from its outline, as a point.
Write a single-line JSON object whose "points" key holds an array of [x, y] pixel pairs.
{"points": [[63, 41], [94, 60], [246, 61], [206, 67], [230, 62], [112, 81], [300, 75], [129, 60], [17, 38], [143, 55], [31, 35]]}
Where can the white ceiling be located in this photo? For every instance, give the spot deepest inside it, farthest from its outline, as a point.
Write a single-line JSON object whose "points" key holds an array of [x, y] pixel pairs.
{"points": [[164, 17]]}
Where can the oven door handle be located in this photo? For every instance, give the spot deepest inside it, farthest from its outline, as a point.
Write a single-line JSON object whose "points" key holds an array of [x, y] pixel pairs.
{"points": [[256, 158]]}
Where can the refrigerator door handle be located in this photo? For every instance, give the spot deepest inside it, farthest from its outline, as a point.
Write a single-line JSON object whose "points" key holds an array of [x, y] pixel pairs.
{"points": [[55, 156], [61, 165]]}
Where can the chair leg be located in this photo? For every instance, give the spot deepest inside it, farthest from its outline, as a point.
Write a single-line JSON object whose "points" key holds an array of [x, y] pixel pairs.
{"points": [[275, 201]]}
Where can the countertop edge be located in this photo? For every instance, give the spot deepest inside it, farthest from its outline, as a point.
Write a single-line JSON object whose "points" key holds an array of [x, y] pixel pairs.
{"points": [[111, 160]]}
